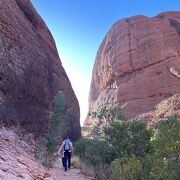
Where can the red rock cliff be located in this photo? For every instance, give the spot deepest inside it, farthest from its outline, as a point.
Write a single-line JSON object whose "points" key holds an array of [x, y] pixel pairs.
{"points": [[31, 72], [138, 67]]}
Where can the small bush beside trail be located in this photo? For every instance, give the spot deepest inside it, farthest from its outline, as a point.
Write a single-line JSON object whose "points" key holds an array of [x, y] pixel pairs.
{"points": [[127, 167]]}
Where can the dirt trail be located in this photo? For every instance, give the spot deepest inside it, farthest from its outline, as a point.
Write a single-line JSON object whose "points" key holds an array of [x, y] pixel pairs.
{"points": [[58, 173]]}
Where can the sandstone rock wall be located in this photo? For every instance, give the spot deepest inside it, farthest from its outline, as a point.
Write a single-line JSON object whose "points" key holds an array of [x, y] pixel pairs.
{"points": [[31, 72], [138, 66], [17, 160]]}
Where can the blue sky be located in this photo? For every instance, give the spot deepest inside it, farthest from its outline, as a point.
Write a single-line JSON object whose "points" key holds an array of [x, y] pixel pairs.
{"points": [[79, 26]]}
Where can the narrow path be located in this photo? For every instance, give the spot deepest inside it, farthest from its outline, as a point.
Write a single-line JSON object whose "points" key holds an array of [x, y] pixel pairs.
{"points": [[58, 173]]}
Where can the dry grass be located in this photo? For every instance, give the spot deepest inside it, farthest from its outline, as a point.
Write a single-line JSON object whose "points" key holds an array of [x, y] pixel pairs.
{"points": [[86, 131], [87, 170]]}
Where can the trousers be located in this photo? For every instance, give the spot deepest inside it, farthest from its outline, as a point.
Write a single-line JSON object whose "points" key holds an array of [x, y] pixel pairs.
{"points": [[67, 160]]}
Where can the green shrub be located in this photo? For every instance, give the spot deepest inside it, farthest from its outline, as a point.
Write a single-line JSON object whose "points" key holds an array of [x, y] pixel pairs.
{"points": [[99, 151], [80, 147], [166, 139], [95, 153], [105, 116], [124, 135], [140, 153], [165, 159], [126, 168], [128, 137]]}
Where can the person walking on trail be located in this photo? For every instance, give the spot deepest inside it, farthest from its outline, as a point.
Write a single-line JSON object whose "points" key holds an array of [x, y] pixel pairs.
{"points": [[67, 149]]}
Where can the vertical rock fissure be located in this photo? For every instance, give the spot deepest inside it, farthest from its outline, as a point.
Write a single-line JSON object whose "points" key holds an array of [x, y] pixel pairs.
{"points": [[129, 46], [176, 25], [28, 13]]}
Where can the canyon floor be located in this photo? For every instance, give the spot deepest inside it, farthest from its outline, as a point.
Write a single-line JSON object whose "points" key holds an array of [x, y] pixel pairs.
{"points": [[58, 173]]}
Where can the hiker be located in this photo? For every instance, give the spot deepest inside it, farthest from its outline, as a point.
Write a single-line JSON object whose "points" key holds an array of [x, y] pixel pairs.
{"points": [[67, 148]]}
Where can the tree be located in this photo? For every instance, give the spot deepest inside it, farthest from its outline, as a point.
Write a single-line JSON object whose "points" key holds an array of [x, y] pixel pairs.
{"points": [[104, 117], [58, 124], [165, 159], [58, 127]]}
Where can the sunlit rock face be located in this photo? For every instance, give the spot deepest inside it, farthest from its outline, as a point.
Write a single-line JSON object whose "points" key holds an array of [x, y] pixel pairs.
{"points": [[31, 72], [138, 67], [17, 159]]}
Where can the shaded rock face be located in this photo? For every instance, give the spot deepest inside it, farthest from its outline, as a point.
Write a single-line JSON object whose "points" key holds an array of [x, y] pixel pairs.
{"points": [[31, 73], [138, 66]]}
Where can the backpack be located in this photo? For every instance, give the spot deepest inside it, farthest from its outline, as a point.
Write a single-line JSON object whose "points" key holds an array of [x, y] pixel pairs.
{"points": [[67, 145]]}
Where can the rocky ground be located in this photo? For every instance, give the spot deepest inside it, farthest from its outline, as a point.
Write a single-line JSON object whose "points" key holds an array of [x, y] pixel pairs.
{"points": [[57, 173], [17, 161]]}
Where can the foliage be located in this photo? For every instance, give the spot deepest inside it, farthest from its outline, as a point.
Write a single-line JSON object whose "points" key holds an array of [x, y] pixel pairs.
{"points": [[58, 124], [105, 116], [167, 138], [95, 153], [165, 159], [124, 135], [128, 137], [57, 128], [80, 147], [39, 150], [133, 150], [126, 168]]}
